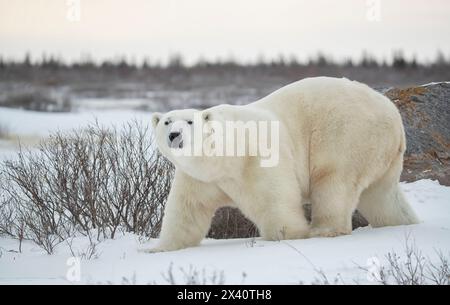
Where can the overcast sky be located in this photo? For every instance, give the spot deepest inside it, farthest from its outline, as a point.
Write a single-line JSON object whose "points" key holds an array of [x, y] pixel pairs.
{"points": [[244, 29]]}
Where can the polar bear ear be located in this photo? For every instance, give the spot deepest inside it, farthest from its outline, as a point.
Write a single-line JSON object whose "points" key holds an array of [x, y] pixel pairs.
{"points": [[155, 118], [206, 116]]}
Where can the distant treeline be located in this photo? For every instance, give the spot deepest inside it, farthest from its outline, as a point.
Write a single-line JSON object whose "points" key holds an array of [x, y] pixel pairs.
{"points": [[176, 62]]}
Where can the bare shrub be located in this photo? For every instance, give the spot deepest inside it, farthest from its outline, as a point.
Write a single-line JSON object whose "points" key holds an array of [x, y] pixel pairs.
{"points": [[10, 222], [96, 178], [323, 279], [88, 253], [192, 276], [230, 223], [413, 268]]}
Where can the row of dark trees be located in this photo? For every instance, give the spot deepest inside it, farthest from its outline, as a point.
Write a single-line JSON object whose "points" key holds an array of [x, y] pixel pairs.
{"points": [[176, 61]]}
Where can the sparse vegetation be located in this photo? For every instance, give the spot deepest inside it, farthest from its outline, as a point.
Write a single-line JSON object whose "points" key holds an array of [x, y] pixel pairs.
{"points": [[100, 179], [88, 253], [192, 276], [230, 223], [412, 268], [50, 84]]}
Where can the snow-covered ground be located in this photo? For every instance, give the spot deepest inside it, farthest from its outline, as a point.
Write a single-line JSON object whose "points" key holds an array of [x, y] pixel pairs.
{"points": [[248, 261]]}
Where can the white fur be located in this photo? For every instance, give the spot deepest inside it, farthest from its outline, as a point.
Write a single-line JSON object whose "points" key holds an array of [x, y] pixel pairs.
{"points": [[341, 148]]}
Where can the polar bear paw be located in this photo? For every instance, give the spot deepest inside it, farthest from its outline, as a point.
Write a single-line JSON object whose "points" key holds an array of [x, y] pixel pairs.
{"points": [[152, 250], [327, 232], [159, 248]]}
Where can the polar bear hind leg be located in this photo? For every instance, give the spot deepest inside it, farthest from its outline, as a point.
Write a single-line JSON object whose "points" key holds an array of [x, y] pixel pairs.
{"points": [[333, 204], [383, 202]]}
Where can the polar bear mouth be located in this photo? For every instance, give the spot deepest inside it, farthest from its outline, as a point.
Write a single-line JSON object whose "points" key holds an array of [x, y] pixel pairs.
{"points": [[177, 143]]}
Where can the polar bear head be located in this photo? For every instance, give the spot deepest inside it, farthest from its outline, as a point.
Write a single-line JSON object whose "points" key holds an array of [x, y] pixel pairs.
{"points": [[210, 144], [183, 137]]}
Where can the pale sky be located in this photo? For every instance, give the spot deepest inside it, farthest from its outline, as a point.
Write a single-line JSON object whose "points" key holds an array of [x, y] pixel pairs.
{"points": [[244, 29]]}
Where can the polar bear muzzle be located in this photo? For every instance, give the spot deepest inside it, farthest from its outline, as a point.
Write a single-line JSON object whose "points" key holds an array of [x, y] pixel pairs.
{"points": [[175, 140]]}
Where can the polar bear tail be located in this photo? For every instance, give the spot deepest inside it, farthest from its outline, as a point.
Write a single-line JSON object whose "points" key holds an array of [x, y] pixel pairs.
{"points": [[384, 204]]}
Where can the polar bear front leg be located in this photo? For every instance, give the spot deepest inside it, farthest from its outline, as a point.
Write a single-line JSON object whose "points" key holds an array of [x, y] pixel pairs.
{"points": [[185, 223], [187, 217]]}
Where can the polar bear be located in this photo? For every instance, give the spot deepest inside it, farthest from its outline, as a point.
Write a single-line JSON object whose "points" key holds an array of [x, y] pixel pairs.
{"points": [[340, 148]]}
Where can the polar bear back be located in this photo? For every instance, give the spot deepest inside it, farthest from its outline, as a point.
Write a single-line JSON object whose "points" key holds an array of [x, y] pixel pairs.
{"points": [[338, 124]]}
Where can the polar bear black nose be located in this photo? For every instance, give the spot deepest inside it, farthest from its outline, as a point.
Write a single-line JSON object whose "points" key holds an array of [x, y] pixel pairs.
{"points": [[173, 135]]}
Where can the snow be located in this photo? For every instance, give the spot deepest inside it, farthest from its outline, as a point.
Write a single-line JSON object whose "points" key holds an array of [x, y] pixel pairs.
{"points": [[248, 261], [435, 83]]}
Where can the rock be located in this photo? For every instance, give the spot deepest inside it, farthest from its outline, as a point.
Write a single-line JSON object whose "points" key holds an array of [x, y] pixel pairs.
{"points": [[426, 115]]}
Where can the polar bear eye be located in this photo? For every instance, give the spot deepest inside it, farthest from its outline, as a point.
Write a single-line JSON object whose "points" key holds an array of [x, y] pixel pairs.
{"points": [[189, 122], [166, 123]]}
